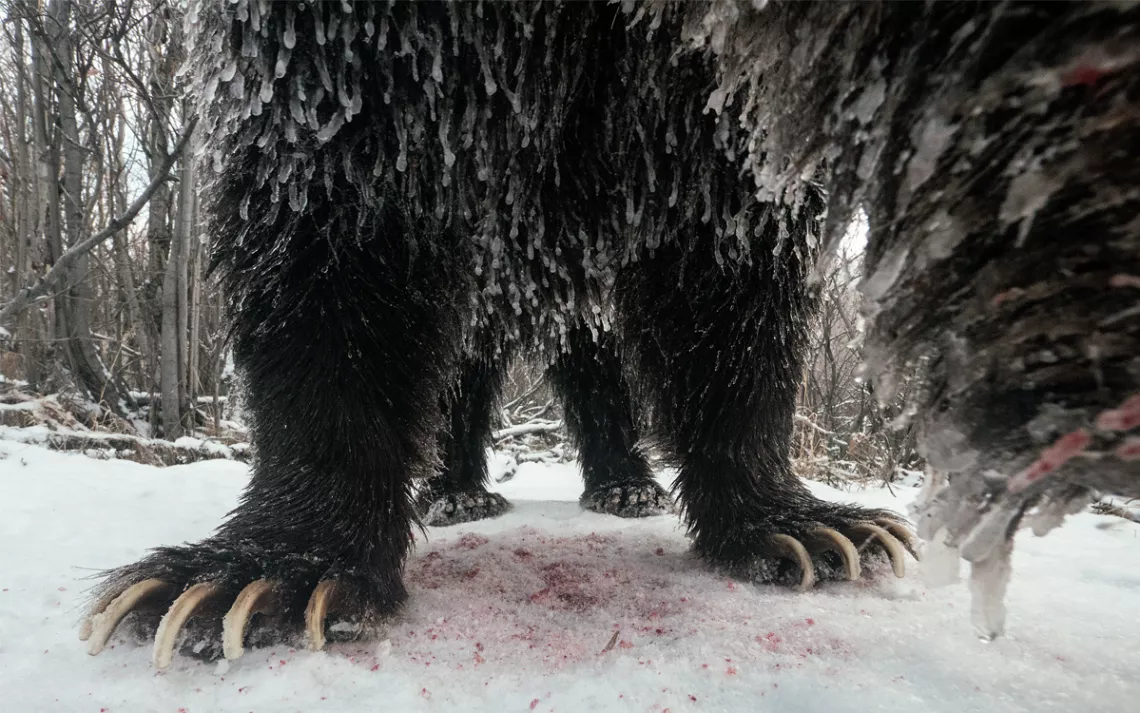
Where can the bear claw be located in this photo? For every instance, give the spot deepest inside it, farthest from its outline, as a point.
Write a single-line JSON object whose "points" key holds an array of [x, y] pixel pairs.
{"points": [[316, 612], [893, 537], [903, 534], [790, 548], [257, 598], [97, 628], [833, 540], [869, 532], [170, 626]]}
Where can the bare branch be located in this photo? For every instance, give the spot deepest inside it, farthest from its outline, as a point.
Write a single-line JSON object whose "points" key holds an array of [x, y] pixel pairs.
{"points": [[55, 277], [532, 427]]}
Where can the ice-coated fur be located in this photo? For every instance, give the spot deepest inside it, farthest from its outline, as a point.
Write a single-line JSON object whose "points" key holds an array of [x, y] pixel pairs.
{"points": [[994, 147], [397, 186]]}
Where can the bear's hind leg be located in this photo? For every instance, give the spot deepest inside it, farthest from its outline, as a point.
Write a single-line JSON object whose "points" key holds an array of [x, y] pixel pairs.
{"points": [[598, 410], [459, 493], [718, 348]]}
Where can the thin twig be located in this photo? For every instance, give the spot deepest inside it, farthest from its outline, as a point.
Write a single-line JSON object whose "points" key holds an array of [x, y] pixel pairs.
{"points": [[56, 276]]}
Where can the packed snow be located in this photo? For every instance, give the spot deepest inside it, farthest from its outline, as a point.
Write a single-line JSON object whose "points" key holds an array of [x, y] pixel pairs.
{"points": [[550, 608]]}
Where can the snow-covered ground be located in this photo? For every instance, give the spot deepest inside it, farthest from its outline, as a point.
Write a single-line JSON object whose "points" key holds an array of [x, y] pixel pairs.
{"points": [[514, 614]]}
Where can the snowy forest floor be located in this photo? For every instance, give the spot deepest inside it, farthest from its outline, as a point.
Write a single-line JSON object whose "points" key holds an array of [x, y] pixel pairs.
{"points": [[513, 614]]}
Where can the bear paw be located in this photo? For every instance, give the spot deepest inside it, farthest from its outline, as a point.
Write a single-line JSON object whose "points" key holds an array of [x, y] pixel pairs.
{"points": [[800, 554], [636, 499], [457, 508], [209, 600]]}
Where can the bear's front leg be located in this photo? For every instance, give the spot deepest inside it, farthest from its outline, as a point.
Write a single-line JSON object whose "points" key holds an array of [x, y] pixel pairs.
{"points": [[718, 350], [344, 349]]}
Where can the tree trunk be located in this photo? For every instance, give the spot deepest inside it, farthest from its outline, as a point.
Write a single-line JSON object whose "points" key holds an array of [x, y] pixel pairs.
{"points": [[91, 374], [121, 255], [21, 176], [173, 306], [161, 90], [193, 381], [47, 161]]}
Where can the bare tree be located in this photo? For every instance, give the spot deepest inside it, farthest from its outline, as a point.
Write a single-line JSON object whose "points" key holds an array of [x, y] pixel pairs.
{"points": [[92, 122], [842, 431]]}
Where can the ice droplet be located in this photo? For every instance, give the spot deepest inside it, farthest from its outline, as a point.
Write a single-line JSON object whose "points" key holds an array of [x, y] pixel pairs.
{"points": [[989, 580]]}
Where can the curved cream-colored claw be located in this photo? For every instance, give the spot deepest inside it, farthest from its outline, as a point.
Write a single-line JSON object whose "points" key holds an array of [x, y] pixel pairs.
{"points": [[903, 534], [895, 551], [97, 628], [793, 549], [181, 610], [257, 597], [833, 540], [316, 611]]}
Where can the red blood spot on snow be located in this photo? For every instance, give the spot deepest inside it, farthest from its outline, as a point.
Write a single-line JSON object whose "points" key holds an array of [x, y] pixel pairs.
{"points": [[63, 589], [770, 641], [1054, 457], [623, 644], [660, 551], [375, 667], [425, 693], [692, 698], [731, 586], [472, 574], [730, 671], [478, 646], [523, 554], [533, 704], [810, 621], [471, 541]]}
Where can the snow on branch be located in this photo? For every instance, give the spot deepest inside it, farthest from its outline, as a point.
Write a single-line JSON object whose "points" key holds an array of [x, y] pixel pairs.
{"points": [[529, 427]]}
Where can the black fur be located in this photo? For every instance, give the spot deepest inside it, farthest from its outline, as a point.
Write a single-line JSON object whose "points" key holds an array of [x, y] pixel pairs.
{"points": [[459, 492], [994, 148], [598, 408], [599, 411], [424, 176]]}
